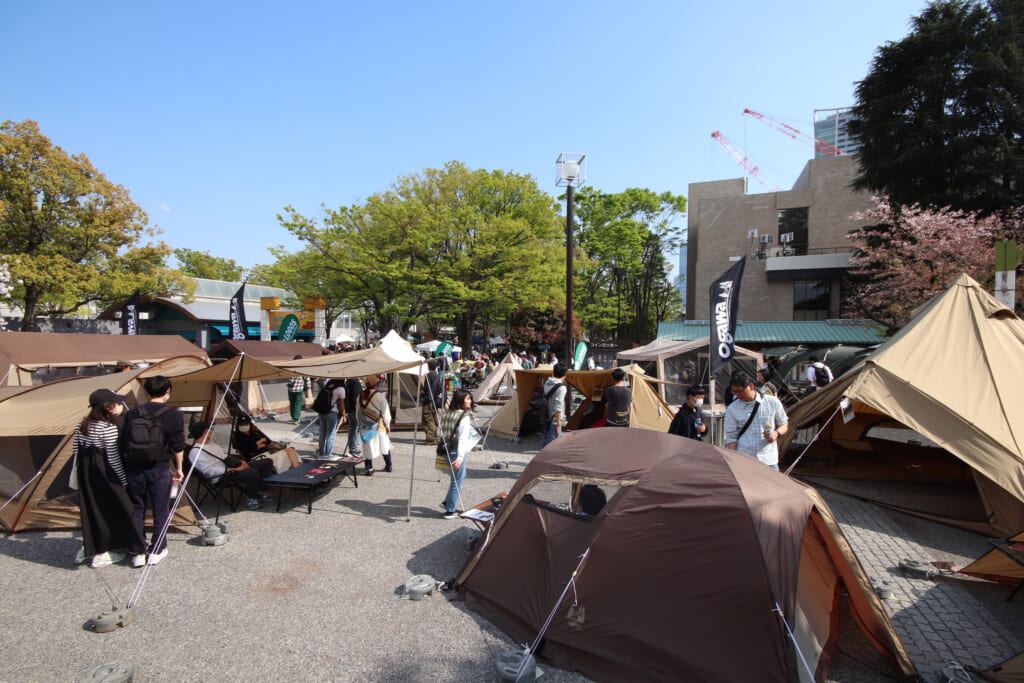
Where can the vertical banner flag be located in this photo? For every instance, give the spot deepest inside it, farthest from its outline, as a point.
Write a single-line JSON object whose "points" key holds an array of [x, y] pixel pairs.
{"points": [[130, 315], [725, 305], [579, 356], [236, 314]]}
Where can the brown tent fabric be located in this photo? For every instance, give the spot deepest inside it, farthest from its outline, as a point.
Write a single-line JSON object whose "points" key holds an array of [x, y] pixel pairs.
{"points": [[962, 393], [266, 350], [996, 566], [36, 426], [1010, 671], [687, 565], [21, 353]]}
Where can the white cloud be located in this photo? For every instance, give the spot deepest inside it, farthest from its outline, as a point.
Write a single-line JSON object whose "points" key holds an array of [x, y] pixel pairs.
{"points": [[165, 208]]}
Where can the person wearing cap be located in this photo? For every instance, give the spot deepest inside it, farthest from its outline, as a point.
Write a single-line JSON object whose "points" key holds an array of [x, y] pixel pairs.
{"points": [[108, 525], [210, 459], [374, 417], [151, 480]]}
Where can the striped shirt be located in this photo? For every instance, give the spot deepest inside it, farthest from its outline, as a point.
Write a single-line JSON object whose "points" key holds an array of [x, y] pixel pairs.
{"points": [[103, 435]]}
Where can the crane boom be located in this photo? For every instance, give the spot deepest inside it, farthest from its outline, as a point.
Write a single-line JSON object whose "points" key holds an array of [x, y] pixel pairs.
{"points": [[786, 129], [744, 161]]}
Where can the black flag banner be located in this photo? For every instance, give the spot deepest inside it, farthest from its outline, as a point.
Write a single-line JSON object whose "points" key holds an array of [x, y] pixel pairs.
{"points": [[130, 315], [725, 305], [236, 314]]}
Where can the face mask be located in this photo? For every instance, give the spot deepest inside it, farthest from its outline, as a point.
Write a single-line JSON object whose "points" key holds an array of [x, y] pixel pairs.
{"points": [[243, 430], [700, 403]]}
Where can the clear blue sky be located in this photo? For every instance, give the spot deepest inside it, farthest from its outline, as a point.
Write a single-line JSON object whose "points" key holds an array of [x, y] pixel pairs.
{"points": [[216, 115]]}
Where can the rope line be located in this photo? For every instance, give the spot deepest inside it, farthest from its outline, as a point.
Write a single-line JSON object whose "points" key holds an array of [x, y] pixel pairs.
{"points": [[778, 610], [18, 492], [815, 438]]}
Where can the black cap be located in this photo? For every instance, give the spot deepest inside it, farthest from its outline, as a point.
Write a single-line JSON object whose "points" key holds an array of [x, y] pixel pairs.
{"points": [[101, 396]]}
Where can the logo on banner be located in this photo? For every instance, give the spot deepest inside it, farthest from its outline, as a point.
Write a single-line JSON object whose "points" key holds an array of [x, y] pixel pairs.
{"points": [[289, 326], [722, 320]]}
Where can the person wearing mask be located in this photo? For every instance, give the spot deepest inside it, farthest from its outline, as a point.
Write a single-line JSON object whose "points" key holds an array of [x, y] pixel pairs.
{"points": [[108, 522], [153, 441], [374, 417], [554, 390], [460, 434], [688, 421]]}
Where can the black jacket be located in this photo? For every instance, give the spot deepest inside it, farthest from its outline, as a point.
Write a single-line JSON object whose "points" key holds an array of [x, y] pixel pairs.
{"points": [[685, 423]]}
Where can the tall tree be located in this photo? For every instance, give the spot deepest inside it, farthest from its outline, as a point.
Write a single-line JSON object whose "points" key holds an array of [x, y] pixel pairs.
{"points": [[70, 237], [304, 273], [906, 255], [622, 277], [940, 116], [202, 264]]}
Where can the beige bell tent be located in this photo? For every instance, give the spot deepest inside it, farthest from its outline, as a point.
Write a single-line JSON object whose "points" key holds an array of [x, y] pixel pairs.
{"points": [[28, 358], [36, 428], [939, 427], [403, 387], [688, 362], [499, 385], [648, 411], [697, 568]]}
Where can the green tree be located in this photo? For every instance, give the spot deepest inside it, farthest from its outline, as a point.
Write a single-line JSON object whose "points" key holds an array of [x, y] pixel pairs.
{"points": [[622, 276], [452, 243], [940, 116], [70, 236], [202, 264], [304, 273]]}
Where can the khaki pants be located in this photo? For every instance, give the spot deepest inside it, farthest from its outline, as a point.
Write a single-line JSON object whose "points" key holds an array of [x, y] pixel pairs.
{"points": [[429, 419]]}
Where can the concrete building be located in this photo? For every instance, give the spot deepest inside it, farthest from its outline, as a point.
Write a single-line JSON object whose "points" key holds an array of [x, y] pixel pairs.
{"points": [[830, 126], [800, 251]]}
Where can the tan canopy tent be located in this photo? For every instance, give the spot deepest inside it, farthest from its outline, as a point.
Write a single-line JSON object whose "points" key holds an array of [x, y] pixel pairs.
{"points": [[403, 386], [258, 397], [28, 358], [647, 412], [695, 569], [36, 428], [499, 385], [688, 362], [997, 566], [953, 375]]}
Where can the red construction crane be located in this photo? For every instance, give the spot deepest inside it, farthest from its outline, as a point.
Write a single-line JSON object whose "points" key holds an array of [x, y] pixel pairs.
{"points": [[823, 147], [744, 161]]}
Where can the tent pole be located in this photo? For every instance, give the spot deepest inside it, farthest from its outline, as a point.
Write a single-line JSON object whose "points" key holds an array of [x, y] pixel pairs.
{"points": [[415, 438]]}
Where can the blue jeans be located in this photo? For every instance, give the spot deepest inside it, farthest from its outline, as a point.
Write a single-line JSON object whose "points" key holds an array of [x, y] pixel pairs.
{"points": [[355, 444], [328, 425], [153, 483], [549, 436], [458, 475]]}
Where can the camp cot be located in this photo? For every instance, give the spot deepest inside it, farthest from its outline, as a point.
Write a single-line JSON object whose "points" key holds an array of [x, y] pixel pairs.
{"points": [[697, 568], [938, 427]]}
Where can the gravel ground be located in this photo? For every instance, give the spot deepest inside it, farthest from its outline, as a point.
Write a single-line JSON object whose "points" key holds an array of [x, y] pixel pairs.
{"points": [[313, 597]]}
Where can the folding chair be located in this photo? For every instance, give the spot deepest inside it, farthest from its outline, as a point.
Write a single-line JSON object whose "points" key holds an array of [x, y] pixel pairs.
{"points": [[224, 491]]}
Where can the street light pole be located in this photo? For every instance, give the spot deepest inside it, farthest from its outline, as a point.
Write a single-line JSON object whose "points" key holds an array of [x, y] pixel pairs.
{"points": [[570, 244]]}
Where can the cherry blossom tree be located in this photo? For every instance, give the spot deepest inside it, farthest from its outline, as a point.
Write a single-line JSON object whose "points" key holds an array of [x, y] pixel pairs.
{"points": [[906, 255]]}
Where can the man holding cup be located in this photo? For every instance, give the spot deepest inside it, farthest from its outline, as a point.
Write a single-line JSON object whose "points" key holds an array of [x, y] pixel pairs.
{"points": [[754, 422]]}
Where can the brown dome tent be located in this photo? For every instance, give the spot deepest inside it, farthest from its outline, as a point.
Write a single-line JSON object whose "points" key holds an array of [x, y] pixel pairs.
{"points": [[689, 566]]}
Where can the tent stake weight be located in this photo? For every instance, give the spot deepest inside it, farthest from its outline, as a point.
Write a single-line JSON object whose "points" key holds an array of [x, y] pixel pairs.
{"points": [[117, 617]]}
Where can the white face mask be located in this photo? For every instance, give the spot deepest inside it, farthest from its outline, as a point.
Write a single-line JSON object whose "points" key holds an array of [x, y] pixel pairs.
{"points": [[700, 403]]}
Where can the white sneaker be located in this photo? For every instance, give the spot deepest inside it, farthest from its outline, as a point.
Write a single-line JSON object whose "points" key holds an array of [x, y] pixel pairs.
{"points": [[156, 557], [80, 555], [103, 559], [139, 560]]}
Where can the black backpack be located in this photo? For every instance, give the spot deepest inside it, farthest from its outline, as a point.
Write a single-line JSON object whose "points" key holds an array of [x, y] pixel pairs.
{"points": [[322, 402], [821, 375], [144, 436], [537, 419]]}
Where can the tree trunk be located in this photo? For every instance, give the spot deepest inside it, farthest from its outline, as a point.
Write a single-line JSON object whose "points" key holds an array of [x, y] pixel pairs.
{"points": [[464, 331], [28, 321]]}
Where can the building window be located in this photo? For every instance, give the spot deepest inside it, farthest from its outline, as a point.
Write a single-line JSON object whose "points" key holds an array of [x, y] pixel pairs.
{"points": [[794, 221], [811, 299]]}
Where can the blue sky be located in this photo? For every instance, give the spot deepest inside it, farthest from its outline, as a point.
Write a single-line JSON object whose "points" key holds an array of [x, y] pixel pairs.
{"points": [[216, 115]]}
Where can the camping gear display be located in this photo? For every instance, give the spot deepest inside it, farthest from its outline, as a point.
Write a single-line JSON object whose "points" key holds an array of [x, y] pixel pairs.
{"points": [[696, 568], [970, 474]]}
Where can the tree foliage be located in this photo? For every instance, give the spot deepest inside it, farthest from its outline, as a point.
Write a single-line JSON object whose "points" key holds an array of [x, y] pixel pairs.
{"points": [[622, 275], [541, 322], [907, 255], [202, 264], [304, 273], [940, 116], [457, 243], [69, 236]]}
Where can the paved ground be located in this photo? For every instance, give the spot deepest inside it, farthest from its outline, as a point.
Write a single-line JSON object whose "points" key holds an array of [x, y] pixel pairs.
{"points": [[317, 597]]}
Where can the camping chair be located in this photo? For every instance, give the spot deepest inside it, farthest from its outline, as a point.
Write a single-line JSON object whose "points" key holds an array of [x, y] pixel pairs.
{"points": [[228, 491]]}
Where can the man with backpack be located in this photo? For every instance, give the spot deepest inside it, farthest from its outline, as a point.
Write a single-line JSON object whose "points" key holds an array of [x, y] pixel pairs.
{"points": [[818, 375], [153, 443], [554, 396]]}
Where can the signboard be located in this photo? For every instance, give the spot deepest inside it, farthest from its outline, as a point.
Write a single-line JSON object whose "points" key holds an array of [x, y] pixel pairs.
{"points": [[580, 356], [445, 349], [307, 320], [289, 326]]}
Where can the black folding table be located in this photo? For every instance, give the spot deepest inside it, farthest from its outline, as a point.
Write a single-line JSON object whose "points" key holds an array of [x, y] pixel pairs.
{"points": [[311, 476]]}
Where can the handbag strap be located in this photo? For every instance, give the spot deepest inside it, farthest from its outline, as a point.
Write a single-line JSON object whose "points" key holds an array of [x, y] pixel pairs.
{"points": [[746, 425]]}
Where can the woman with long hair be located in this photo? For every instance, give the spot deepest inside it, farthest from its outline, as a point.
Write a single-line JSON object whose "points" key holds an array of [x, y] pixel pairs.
{"points": [[108, 523], [459, 434]]}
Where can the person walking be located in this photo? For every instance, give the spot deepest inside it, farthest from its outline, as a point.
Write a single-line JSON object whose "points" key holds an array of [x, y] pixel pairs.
{"points": [[153, 440], [554, 393], [353, 388], [374, 417], [330, 419], [108, 521], [460, 435], [431, 402], [298, 387]]}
